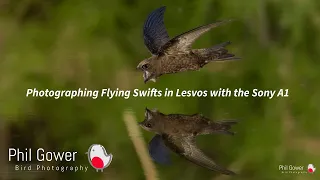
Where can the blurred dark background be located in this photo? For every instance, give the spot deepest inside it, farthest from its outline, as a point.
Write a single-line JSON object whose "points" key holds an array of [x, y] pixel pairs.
{"points": [[71, 44]]}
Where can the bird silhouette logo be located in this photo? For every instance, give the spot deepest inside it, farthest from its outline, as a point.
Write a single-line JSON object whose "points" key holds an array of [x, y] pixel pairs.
{"points": [[311, 168], [98, 157]]}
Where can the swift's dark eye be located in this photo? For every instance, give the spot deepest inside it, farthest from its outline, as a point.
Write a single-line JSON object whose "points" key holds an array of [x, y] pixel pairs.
{"points": [[148, 125], [145, 66]]}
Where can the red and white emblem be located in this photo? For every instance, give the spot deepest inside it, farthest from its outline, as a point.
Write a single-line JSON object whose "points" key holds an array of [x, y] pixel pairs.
{"points": [[98, 157]]}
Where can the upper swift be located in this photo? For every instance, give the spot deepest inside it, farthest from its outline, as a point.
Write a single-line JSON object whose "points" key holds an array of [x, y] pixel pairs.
{"points": [[176, 54]]}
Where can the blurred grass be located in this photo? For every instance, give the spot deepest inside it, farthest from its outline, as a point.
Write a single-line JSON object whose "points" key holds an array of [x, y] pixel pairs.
{"points": [[140, 147], [68, 44]]}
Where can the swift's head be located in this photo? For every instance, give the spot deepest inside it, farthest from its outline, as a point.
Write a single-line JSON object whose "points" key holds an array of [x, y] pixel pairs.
{"points": [[148, 66], [152, 121]]}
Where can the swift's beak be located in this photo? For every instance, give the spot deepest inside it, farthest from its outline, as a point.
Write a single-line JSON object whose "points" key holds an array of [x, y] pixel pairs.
{"points": [[145, 77], [140, 124]]}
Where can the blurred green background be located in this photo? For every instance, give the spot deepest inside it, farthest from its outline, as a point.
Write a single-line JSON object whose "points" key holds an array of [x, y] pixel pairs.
{"points": [[71, 44]]}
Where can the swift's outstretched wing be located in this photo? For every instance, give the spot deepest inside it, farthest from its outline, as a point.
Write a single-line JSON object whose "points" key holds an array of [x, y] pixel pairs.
{"points": [[154, 32], [184, 41], [158, 151], [186, 146]]}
